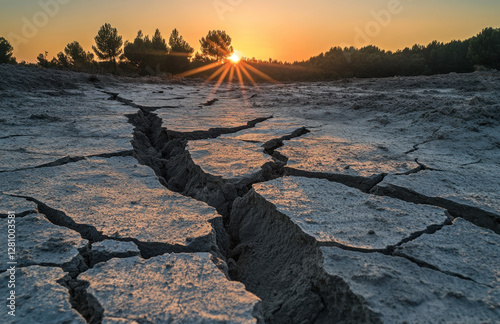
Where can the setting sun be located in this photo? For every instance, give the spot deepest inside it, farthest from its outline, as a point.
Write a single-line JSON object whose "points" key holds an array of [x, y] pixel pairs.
{"points": [[235, 58]]}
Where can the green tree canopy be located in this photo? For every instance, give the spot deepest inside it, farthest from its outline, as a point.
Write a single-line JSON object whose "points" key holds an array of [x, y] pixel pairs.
{"points": [[217, 44], [108, 44], [6, 52]]}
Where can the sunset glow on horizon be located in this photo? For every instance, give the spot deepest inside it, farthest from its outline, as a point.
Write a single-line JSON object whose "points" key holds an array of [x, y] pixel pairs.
{"points": [[235, 58], [283, 30]]}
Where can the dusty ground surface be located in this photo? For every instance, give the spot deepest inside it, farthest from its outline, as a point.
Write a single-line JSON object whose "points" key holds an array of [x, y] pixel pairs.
{"points": [[143, 201]]}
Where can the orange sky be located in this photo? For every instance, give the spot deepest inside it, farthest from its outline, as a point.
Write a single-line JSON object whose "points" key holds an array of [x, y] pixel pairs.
{"points": [[282, 29]]}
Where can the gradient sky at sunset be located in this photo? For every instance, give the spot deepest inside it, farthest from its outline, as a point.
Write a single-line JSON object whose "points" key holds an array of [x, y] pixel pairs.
{"points": [[282, 29]]}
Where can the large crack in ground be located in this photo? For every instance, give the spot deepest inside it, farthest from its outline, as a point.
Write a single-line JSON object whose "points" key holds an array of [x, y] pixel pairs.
{"points": [[278, 263], [262, 247]]}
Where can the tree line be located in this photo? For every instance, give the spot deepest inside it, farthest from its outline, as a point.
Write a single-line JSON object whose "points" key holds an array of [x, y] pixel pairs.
{"points": [[143, 55], [479, 52], [154, 55]]}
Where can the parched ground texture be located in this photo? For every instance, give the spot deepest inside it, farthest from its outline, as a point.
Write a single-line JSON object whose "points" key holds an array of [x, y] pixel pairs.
{"points": [[353, 201]]}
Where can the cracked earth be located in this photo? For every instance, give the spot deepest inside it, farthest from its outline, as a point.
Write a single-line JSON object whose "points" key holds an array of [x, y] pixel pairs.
{"points": [[142, 201]]}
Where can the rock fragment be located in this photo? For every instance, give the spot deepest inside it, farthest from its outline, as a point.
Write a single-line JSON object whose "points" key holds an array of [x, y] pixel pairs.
{"points": [[109, 249]]}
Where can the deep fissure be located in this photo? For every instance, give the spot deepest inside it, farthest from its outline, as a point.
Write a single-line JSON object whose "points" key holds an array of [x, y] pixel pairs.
{"points": [[313, 296]]}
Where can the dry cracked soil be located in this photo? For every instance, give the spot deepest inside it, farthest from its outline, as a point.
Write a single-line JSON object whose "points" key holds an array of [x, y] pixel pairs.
{"points": [[148, 201]]}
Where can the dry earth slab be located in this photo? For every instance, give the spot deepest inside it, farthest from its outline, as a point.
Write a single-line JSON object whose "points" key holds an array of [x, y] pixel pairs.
{"points": [[173, 288], [38, 242], [117, 198], [35, 287], [333, 212]]}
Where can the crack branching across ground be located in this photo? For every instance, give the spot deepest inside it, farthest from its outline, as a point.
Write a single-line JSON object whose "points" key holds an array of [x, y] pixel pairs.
{"points": [[371, 185], [472, 214], [393, 250], [83, 302], [263, 249], [419, 168], [72, 159], [20, 214], [214, 132], [272, 145], [131, 103], [365, 184], [90, 233]]}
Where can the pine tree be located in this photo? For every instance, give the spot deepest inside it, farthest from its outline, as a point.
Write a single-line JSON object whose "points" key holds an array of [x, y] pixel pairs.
{"points": [[108, 44]]}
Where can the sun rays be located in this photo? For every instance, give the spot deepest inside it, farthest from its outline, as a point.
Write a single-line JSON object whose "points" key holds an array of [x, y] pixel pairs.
{"points": [[233, 68], [232, 64]]}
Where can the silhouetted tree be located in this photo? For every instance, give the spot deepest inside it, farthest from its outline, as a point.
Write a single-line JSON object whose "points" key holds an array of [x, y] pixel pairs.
{"points": [[159, 43], [42, 60], [133, 50], [6, 52], [200, 59], [484, 49], [149, 55], [77, 56], [178, 44], [63, 61], [109, 44], [216, 44], [180, 52]]}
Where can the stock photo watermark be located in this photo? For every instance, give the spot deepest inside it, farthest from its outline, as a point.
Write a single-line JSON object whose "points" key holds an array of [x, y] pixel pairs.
{"points": [[11, 263], [381, 19], [224, 6], [31, 26]]}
